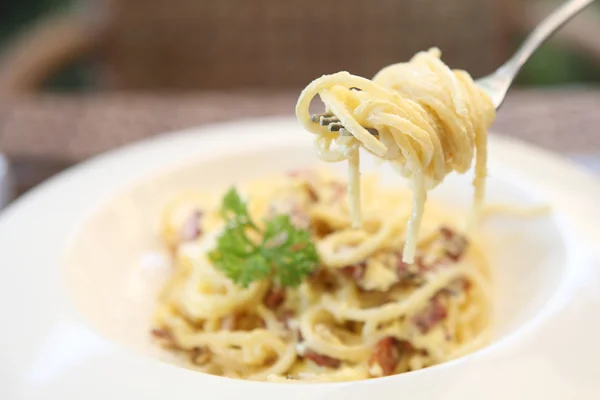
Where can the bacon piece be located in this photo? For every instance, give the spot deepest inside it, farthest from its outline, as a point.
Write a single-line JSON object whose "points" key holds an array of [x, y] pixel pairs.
{"points": [[456, 287], [312, 193], [322, 360], [464, 284], [321, 278], [274, 297], [386, 355], [161, 334], [434, 313], [454, 243], [248, 321], [190, 229], [411, 273], [200, 355], [228, 322], [166, 338], [356, 272]]}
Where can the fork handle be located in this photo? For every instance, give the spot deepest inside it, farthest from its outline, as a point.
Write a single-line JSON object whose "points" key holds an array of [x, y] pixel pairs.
{"points": [[540, 34]]}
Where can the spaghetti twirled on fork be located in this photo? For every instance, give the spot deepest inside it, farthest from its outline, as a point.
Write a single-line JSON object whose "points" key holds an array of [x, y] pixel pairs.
{"points": [[429, 120]]}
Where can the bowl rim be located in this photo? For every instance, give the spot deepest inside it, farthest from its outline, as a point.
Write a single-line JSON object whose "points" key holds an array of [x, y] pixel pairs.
{"points": [[572, 191]]}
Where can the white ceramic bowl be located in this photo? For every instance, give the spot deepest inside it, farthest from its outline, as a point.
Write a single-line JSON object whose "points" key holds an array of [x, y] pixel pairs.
{"points": [[80, 286]]}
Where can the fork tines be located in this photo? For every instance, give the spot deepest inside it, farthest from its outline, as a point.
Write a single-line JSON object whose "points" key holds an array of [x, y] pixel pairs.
{"points": [[372, 131], [324, 119], [334, 125]]}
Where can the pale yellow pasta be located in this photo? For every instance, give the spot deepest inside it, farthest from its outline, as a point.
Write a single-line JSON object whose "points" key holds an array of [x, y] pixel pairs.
{"points": [[328, 328], [430, 121], [400, 283]]}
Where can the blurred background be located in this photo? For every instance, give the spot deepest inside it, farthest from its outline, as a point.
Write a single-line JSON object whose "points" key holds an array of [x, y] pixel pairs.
{"points": [[78, 77], [183, 45]]}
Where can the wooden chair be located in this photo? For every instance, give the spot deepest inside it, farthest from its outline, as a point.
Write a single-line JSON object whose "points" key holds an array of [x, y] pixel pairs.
{"points": [[205, 44], [194, 45]]}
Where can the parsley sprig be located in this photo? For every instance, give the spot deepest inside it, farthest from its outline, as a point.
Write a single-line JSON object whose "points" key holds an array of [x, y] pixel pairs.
{"points": [[245, 253]]}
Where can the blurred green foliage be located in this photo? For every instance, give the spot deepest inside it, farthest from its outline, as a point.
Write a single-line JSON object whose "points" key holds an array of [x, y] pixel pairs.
{"points": [[549, 66], [553, 65], [15, 14]]}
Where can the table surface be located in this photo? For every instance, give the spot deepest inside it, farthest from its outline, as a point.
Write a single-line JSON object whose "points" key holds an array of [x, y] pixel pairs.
{"points": [[44, 133]]}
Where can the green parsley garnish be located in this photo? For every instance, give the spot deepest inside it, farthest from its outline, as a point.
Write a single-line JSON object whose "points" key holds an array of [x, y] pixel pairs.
{"points": [[281, 251]]}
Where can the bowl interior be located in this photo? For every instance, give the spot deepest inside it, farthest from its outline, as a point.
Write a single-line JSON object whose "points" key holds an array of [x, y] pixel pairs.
{"points": [[116, 264]]}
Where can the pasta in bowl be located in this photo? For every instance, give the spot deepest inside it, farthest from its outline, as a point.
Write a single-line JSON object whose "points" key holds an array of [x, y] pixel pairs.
{"points": [[117, 261], [293, 282], [326, 302]]}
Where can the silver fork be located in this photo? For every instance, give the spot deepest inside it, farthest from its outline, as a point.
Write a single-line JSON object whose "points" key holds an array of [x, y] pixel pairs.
{"points": [[497, 83]]}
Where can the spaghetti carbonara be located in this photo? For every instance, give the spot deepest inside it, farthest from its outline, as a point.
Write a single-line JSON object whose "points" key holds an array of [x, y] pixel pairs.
{"points": [[302, 278], [362, 312], [424, 118]]}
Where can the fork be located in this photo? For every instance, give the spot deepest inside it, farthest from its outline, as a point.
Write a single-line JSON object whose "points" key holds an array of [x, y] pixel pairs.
{"points": [[497, 83]]}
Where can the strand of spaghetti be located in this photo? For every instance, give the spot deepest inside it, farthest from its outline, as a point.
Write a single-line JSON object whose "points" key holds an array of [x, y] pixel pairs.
{"points": [[283, 364], [470, 345], [395, 310], [345, 373], [354, 188], [219, 341], [518, 211], [218, 296], [316, 343], [367, 245]]}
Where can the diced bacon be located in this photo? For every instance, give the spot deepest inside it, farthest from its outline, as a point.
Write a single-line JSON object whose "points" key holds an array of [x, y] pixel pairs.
{"points": [[312, 193], [434, 313], [190, 229], [228, 322], [322, 360], [162, 334], [411, 273], [247, 321], [322, 278], [464, 284], [166, 338], [385, 357], [356, 272], [274, 297], [200, 355], [316, 274], [454, 243], [458, 286]]}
